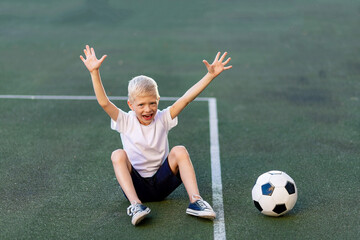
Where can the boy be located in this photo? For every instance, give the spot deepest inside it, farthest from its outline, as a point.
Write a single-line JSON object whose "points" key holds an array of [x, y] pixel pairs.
{"points": [[145, 169]]}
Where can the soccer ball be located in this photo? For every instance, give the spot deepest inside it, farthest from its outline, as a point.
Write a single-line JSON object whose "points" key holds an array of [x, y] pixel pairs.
{"points": [[274, 193]]}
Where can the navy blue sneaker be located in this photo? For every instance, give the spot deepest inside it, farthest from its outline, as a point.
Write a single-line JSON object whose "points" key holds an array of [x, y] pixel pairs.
{"points": [[200, 208], [138, 212]]}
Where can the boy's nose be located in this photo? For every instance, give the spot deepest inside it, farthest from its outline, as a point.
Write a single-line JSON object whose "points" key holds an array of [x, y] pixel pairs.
{"points": [[147, 108]]}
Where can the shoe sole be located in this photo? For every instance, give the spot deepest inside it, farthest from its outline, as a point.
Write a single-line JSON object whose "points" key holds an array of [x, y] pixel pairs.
{"points": [[140, 216], [207, 215]]}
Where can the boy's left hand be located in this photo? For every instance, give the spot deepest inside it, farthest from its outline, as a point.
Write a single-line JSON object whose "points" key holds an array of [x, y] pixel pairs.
{"points": [[218, 65], [90, 60]]}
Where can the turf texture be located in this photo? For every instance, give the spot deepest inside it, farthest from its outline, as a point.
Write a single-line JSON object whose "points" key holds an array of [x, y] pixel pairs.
{"points": [[291, 102]]}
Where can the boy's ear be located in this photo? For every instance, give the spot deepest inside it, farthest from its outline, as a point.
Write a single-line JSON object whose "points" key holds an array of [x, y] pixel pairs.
{"points": [[130, 105]]}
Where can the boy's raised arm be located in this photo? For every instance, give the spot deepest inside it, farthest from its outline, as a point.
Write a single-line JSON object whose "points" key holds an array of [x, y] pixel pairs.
{"points": [[93, 64], [214, 69]]}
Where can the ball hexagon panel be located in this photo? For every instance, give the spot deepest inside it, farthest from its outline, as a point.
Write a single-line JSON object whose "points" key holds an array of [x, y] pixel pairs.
{"points": [[256, 192], [267, 203], [263, 178], [291, 202], [278, 180], [280, 195], [275, 172]]}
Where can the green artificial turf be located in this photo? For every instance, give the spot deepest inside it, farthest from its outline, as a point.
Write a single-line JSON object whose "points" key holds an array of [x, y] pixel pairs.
{"points": [[290, 102]]}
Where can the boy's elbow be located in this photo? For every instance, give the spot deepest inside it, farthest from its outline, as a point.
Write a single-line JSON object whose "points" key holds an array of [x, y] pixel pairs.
{"points": [[188, 99], [104, 104]]}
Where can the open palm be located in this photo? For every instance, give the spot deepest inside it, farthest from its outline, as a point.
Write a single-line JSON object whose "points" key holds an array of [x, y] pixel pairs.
{"points": [[90, 60], [218, 64]]}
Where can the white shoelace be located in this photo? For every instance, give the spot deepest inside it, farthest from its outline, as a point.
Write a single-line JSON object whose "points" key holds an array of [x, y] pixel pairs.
{"points": [[201, 202], [133, 208]]}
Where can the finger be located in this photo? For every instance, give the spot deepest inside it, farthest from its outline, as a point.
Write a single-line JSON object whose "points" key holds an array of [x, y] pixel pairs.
{"points": [[223, 56], [92, 51], [82, 58], [217, 57], [103, 58], [228, 67], [87, 49], [206, 63], [227, 61], [86, 53]]}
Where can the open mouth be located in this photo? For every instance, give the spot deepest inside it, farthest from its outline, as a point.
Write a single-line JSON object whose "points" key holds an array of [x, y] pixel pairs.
{"points": [[147, 117]]}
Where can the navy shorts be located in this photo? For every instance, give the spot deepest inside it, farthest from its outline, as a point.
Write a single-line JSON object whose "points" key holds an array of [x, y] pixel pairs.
{"points": [[157, 187]]}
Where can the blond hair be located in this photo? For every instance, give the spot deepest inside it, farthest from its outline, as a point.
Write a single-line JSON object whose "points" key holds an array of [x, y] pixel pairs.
{"points": [[142, 86]]}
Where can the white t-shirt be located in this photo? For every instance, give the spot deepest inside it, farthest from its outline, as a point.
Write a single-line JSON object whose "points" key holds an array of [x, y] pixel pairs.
{"points": [[146, 146]]}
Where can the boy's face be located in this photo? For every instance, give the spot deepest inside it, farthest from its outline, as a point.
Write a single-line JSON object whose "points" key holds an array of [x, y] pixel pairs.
{"points": [[145, 108]]}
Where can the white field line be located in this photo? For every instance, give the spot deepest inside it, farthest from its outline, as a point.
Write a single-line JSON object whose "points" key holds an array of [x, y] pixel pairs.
{"points": [[217, 192], [67, 97]]}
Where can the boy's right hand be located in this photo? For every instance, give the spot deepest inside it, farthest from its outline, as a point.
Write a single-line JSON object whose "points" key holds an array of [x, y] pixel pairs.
{"points": [[91, 62]]}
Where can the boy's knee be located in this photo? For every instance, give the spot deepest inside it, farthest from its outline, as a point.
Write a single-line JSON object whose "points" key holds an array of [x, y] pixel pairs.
{"points": [[179, 152], [118, 156]]}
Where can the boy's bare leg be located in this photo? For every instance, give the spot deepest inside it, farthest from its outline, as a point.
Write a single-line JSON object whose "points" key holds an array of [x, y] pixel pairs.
{"points": [[122, 168], [179, 160]]}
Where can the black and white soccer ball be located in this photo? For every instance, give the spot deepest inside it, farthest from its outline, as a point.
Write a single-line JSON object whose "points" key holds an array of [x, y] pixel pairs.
{"points": [[274, 193]]}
